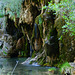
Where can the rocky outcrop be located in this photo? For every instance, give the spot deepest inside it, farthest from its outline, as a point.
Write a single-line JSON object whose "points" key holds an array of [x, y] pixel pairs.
{"points": [[27, 19], [6, 44], [20, 44], [23, 47], [10, 27], [44, 37], [66, 42], [9, 35], [27, 14], [49, 30], [13, 52]]}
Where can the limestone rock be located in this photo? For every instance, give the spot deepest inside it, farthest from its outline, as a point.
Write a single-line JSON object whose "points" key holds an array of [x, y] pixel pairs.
{"points": [[10, 27], [20, 44], [37, 44], [27, 14], [66, 43]]}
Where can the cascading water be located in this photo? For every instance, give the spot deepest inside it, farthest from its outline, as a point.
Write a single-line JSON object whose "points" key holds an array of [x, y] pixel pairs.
{"points": [[35, 25], [31, 50], [36, 36], [37, 42]]}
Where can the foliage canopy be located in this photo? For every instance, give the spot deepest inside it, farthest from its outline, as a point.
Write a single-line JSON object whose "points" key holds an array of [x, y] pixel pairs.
{"points": [[12, 6], [66, 8]]}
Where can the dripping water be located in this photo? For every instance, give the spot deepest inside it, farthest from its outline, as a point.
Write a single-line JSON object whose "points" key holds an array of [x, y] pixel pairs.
{"points": [[35, 30], [31, 50]]}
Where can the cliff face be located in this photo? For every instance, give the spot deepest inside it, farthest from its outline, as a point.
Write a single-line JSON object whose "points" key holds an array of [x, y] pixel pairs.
{"points": [[43, 32]]}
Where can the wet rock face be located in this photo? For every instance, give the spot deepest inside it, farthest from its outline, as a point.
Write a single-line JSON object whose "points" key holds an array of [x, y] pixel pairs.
{"points": [[1, 44], [49, 27], [8, 36], [27, 14], [67, 43], [50, 35], [27, 19], [20, 44], [52, 46], [12, 52], [10, 28], [37, 44]]}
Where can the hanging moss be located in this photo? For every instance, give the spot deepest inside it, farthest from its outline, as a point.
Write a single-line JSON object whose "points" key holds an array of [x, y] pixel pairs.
{"points": [[47, 64], [34, 54], [38, 18]]}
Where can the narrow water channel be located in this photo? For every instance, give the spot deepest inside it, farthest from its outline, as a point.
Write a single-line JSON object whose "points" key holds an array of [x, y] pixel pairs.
{"points": [[7, 65]]}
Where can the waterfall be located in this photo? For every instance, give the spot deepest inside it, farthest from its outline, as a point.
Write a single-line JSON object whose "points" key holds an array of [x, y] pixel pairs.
{"points": [[35, 25], [31, 50], [37, 39]]}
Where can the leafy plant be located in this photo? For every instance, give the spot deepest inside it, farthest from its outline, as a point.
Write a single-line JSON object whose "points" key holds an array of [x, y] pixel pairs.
{"points": [[12, 6], [1, 15], [66, 8], [4, 52], [52, 69], [64, 66]]}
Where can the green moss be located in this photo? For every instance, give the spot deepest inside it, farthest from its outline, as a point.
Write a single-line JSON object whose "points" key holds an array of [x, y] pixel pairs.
{"points": [[41, 61], [52, 69], [46, 64], [33, 55], [39, 21], [1, 16]]}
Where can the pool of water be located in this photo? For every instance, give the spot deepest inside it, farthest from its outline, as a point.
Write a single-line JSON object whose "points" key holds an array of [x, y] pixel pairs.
{"points": [[7, 65]]}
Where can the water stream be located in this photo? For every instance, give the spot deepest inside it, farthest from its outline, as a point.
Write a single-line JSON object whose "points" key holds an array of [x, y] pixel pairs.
{"points": [[7, 65], [35, 25]]}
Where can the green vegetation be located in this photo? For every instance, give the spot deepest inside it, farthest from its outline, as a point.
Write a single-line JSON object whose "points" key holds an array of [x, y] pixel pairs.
{"points": [[4, 52], [65, 66], [47, 31], [66, 9], [1, 15], [12, 7], [52, 69]]}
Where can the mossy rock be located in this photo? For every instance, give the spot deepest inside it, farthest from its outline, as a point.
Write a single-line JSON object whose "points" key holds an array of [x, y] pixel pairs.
{"points": [[39, 21], [46, 64], [40, 17], [34, 54], [59, 22]]}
